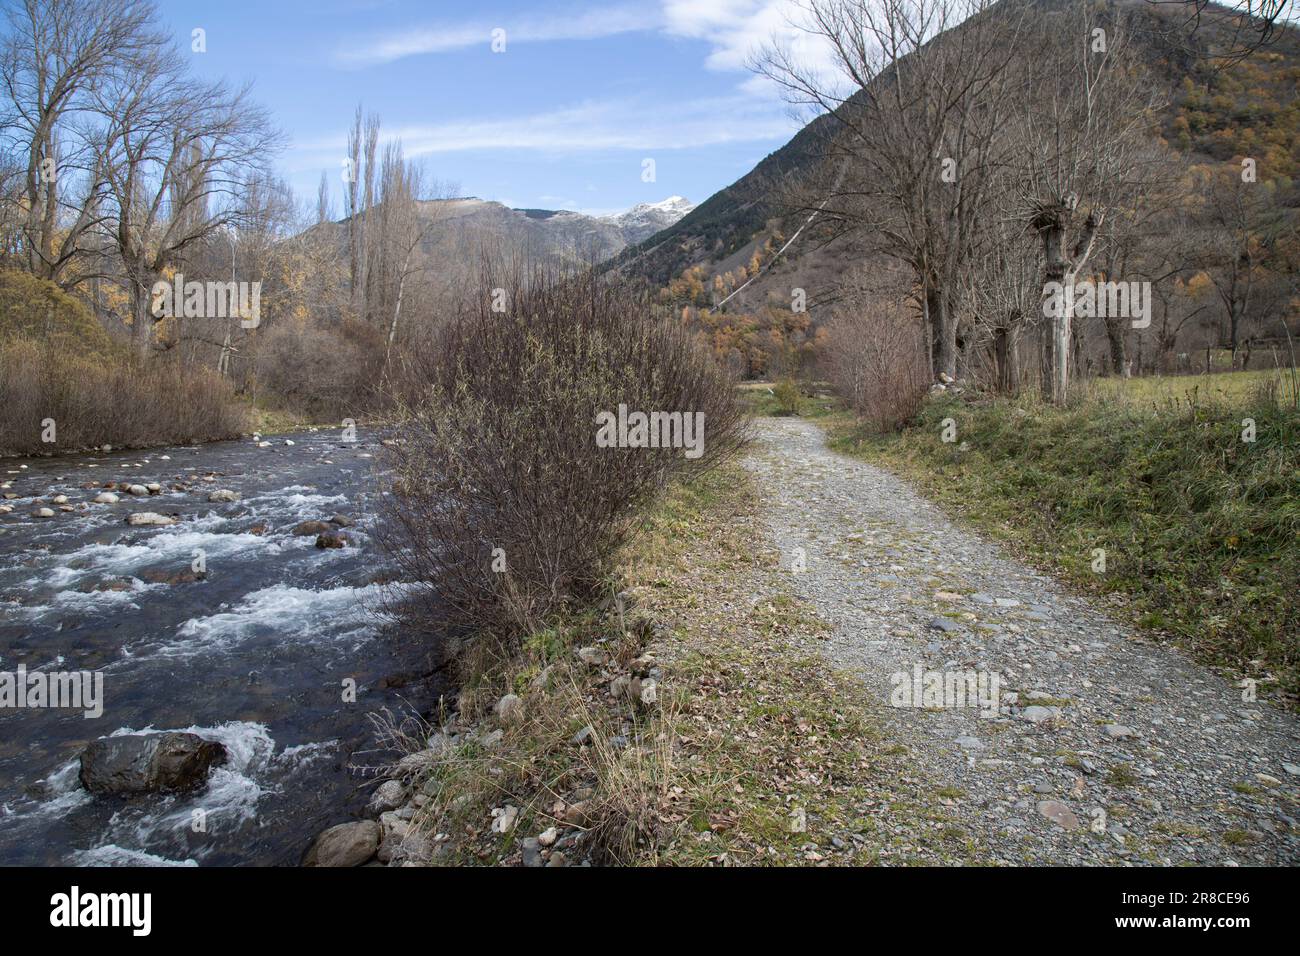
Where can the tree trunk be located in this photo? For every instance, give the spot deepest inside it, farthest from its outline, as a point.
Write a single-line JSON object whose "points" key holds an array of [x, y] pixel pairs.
{"points": [[1006, 355], [944, 332], [1118, 348], [142, 318]]}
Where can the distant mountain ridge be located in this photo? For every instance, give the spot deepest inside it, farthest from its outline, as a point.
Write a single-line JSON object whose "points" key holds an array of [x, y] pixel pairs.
{"points": [[467, 223]]}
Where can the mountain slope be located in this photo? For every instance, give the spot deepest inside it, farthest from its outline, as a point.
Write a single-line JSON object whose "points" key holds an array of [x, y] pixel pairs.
{"points": [[1213, 114]]}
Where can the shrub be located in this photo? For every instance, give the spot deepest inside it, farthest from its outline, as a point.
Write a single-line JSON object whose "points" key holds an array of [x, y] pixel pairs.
{"points": [[874, 357], [37, 310], [121, 401], [322, 371], [504, 510], [57, 362], [787, 397]]}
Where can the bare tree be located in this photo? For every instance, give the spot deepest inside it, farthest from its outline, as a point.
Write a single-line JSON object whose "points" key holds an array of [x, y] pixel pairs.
{"points": [[363, 145], [178, 156], [1241, 220], [410, 208], [1083, 121], [323, 200], [55, 56], [1247, 25], [914, 135]]}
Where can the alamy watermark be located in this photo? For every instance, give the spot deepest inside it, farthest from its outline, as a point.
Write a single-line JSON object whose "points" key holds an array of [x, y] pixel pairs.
{"points": [[65, 690], [651, 430], [1099, 300], [179, 299], [947, 690]]}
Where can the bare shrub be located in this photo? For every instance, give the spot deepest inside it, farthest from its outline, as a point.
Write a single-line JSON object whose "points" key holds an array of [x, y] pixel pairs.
{"points": [[874, 356], [504, 511], [126, 403], [322, 370]]}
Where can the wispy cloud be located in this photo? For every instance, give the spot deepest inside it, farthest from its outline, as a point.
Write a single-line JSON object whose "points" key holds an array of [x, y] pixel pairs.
{"points": [[592, 126], [447, 37], [739, 30]]}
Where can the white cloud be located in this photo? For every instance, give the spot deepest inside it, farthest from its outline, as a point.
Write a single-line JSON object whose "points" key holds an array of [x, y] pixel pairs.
{"points": [[444, 38], [738, 30], [588, 127]]}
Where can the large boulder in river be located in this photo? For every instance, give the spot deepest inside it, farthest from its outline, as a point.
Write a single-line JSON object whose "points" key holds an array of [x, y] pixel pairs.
{"points": [[148, 518], [313, 528], [348, 844], [149, 763], [223, 494]]}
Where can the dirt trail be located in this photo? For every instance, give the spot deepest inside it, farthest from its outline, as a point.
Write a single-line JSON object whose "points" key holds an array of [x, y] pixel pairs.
{"points": [[1105, 748]]}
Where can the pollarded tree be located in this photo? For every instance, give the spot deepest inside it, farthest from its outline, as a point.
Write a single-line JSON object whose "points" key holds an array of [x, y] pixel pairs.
{"points": [[915, 161], [1083, 119]]}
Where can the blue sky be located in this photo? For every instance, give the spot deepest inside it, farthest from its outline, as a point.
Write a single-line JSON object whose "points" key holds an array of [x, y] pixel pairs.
{"points": [[563, 118]]}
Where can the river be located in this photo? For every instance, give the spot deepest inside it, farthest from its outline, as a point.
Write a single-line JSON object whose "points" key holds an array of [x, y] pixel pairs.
{"points": [[255, 653]]}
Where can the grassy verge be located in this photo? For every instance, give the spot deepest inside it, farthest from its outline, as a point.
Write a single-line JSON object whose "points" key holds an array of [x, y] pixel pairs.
{"points": [[749, 750], [1199, 529], [269, 420], [772, 399]]}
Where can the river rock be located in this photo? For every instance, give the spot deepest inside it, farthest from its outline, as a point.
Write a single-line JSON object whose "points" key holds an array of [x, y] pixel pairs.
{"points": [[105, 498], [153, 488], [43, 513], [503, 818], [149, 763], [223, 494], [387, 797], [1059, 814], [138, 491], [1038, 714], [149, 518], [308, 528], [348, 844], [343, 521], [59, 500], [510, 709], [592, 656], [393, 830], [163, 576]]}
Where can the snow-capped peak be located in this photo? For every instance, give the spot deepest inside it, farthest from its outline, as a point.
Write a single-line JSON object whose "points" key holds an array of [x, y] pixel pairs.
{"points": [[646, 218]]}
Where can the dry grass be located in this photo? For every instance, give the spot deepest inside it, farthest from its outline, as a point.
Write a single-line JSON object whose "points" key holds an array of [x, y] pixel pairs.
{"points": [[757, 752]]}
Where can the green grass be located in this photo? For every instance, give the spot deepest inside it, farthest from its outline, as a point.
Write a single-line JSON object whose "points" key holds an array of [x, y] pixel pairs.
{"points": [[1159, 391], [765, 400], [1201, 530]]}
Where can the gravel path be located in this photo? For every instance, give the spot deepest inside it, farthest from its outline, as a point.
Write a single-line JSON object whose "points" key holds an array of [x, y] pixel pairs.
{"points": [[1105, 748]]}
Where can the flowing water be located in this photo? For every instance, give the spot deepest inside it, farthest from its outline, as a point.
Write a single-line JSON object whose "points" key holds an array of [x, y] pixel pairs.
{"points": [[254, 653]]}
